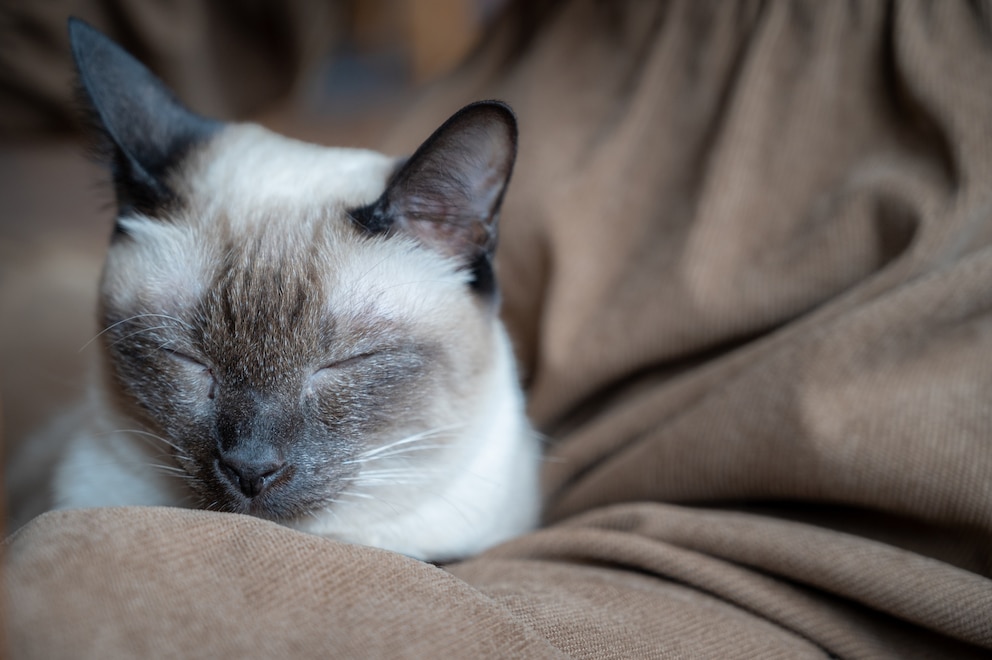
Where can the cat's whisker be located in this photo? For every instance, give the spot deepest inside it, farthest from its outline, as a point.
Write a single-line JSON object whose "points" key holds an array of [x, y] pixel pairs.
{"points": [[133, 318], [361, 294], [386, 472], [457, 508], [402, 441], [169, 471], [392, 504], [327, 509], [403, 451], [139, 332], [167, 468], [146, 435], [414, 480], [399, 480], [543, 442], [406, 440], [361, 496], [108, 329], [161, 469]]}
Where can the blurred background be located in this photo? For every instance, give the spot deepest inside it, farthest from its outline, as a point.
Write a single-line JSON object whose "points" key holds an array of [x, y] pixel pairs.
{"points": [[235, 59], [333, 71]]}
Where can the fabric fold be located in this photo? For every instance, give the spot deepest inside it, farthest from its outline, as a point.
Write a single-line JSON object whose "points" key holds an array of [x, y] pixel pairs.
{"points": [[746, 260]]}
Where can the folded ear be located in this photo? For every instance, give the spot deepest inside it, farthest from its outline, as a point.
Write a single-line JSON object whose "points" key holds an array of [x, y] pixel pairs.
{"points": [[448, 194], [146, 131]]}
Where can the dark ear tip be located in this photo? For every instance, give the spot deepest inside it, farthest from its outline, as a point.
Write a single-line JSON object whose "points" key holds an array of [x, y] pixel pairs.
{"points": [[80, 29], [494, 106], [491, 112], [83, 37]]}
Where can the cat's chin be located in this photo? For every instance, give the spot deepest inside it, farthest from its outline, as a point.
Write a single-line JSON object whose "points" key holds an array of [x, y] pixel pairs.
{"points": [[285, 505], [259, 509]]}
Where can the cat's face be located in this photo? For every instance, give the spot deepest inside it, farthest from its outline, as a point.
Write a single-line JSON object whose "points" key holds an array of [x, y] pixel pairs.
{"points": [[257, 320], [281, 315]]}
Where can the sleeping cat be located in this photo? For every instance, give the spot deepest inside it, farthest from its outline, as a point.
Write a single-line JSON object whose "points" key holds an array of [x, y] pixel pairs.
{"points": [[302, 333]]}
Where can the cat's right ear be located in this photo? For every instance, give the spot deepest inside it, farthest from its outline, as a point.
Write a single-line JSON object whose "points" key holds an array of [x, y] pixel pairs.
{"points": [[447, 195], [144, 131]]}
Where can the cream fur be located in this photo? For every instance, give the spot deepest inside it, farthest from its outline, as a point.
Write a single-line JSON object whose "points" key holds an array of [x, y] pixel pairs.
{"points": [[486, 490], [478, 487]]}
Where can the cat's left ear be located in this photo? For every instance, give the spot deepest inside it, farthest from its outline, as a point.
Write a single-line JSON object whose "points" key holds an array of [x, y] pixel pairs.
{"points": [[448, 194], [142, 128]]}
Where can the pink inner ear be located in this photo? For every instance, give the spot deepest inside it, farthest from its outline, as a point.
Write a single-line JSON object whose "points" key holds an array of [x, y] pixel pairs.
{"points": [[448, 194], [447, 229]]}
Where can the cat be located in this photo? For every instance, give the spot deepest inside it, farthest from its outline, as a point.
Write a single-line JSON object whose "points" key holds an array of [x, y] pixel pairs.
{"points": [[301, 333]]}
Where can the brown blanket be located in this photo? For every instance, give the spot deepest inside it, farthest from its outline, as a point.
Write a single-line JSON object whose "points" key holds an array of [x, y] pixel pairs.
{"points": [[747, 261]]}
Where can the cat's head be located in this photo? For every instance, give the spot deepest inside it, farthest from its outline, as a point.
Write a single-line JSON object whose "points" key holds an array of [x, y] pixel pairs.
{"points": [[282, 313]]}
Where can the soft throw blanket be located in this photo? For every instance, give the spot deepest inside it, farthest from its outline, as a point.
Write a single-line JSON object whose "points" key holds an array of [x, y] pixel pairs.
{"points": [[747, 262]]}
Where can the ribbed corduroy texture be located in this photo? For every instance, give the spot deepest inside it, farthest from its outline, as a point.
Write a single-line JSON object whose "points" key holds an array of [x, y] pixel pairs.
{"points": [[747, 262]]}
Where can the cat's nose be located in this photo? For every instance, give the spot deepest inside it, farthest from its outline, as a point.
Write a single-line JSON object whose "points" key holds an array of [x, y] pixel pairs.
{"points": [[251, 474]]}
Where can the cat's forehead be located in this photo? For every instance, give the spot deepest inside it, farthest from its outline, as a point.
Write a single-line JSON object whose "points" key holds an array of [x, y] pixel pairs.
{"points": [[245, 170], [260, 214], [170, 267]]}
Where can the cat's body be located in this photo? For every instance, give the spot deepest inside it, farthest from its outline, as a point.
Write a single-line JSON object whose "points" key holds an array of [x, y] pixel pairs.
{"points": [[302, 333]]}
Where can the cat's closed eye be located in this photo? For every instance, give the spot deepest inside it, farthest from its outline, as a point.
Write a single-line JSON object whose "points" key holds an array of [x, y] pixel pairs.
{"points": [[194, 365], [348, 361], [341, 370], [186, 359]]}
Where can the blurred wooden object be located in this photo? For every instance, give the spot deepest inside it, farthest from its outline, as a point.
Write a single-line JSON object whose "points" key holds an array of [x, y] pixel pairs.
{"points": [[434, 35], [441, 33]]}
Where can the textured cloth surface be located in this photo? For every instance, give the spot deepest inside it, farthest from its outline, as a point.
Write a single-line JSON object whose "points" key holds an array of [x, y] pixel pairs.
{"points": [[747, 263], [204, 50]]}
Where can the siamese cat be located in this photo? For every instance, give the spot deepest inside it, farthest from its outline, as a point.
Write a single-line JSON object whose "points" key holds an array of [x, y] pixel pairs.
{"points": [[301, 333]]}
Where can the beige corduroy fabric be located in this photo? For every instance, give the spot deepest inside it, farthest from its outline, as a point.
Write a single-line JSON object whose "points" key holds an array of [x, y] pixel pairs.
{"points": [[747, 262]]}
